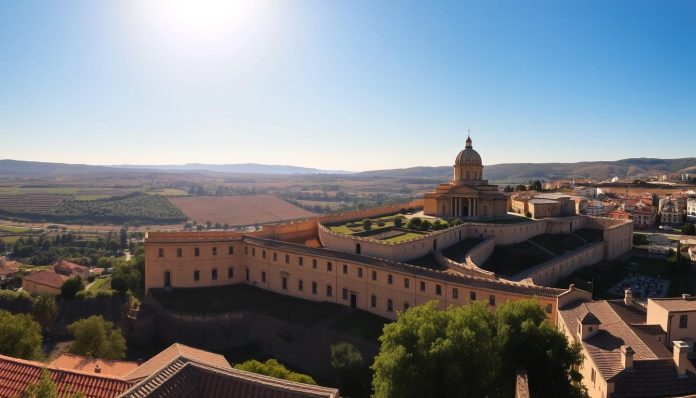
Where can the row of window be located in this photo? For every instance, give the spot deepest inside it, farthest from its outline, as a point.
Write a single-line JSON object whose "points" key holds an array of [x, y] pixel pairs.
{"points": [[196, 251]]}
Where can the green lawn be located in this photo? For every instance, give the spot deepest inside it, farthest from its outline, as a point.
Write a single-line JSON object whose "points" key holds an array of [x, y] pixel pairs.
{"points": [[17, 230], [101, 283], [307, 313], [401, 238]]}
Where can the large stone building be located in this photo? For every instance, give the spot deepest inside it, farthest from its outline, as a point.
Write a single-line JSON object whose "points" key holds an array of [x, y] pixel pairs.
{"points": [[467, 195]]}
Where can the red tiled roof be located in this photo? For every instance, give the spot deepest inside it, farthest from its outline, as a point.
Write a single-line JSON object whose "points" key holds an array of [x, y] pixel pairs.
{"points": [[17, 374], [47, 278], [70, 267], [172, 353], [678, 304]]}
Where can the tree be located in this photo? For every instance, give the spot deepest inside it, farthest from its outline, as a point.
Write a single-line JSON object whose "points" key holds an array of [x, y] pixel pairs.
{"points": [[688, 229], [275, 369], [45, 310], [349, 367], [44, 388], [367, 224], [535, 185], [97, 338], [414, 223], [123, 238], [527, 340], [437, 353], [457, 352], [508, 189], [3, 246], [20, 336], [398, 221], [71, 287]]}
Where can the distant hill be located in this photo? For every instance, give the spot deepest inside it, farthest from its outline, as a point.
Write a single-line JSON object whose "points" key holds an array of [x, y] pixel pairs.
{"points": [[635, 167], [250, 168]]}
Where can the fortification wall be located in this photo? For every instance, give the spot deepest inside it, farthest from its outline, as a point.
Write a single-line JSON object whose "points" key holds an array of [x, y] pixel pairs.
{"points": [[480, 253], [549, 272]]}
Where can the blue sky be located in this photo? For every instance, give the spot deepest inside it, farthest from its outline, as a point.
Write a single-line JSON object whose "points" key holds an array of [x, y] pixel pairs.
{"points": [[353, 85]]}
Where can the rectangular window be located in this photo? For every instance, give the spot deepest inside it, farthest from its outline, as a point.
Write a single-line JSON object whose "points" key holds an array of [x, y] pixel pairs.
{"points": [[491, 300], [374, 275], [247, 274], [196, 252], [472, 296], [438, 290], [287, 259], [214, 251], [422, 286], [329, 266], [390, 305], [300, 261], [300, 285], [161, 252], [196, 275], [213, 274], [246, 249], [407, 283], [179, 252], [263, 276], [683, 321], [275, 256], [359, 272], [230, 250], [373, 301], [314, 288], [230, 272], [455, 293], [263, 254], [345, 293], [345, 269], [285, 283], [390, 279], [329, 291], [593, 376], [314, 263], [548, 308], [253, 252]]}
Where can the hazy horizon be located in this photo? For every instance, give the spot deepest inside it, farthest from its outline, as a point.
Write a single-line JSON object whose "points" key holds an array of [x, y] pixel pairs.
{"points": [[345, 85]]}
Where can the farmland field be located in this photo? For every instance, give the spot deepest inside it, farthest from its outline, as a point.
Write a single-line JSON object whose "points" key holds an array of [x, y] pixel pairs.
{"points": [[238, 210]]}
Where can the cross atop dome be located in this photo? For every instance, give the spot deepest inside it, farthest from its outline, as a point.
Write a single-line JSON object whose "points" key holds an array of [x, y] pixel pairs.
{"points": [[468, 139]]}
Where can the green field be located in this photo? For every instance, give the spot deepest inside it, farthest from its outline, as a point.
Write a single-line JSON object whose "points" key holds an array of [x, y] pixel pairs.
{"points": [[101, 283]]}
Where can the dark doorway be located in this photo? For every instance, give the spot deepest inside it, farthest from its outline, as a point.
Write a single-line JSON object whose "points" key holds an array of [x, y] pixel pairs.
{"points": [[434, 244], [353, 300], [167, 279], [357, 248]]}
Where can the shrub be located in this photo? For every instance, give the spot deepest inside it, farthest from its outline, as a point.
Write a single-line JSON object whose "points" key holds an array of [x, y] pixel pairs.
{"points": [[425, 225], [380, 223], [275, 369], [97, 338], [398, 221], [414, 223], [367, 224], [71, 287]]}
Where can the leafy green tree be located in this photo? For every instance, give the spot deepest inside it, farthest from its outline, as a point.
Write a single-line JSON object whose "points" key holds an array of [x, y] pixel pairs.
{"points": [[398, 221], [275, 369], [367, 224], [437, 353], [123, 238], [535, 185], [414, 223], [97, 338], [45, 310], [20, 336], [425, 225], [349, 367], [44, 388], [527, 340], [71, 287]]}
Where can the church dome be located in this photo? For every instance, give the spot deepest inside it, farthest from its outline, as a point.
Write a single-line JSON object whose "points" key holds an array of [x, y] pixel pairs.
{"points": [[468, 156]]}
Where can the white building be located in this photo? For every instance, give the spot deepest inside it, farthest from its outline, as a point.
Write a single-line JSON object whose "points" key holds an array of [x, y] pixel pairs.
{"points": [[691, 209]]}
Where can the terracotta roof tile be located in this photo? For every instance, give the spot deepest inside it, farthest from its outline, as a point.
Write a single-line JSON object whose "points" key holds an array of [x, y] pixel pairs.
{"points": [[676, 304], [17, 374], [46, 278], [172, 353], [88, 365]]}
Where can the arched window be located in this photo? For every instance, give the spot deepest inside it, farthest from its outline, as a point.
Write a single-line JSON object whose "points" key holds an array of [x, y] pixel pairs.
{"points": [[167, 279]]}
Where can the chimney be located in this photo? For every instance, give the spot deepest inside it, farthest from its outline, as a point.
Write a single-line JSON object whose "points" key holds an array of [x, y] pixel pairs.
{"points": [[627, 357], [628, 297], [679, 355], [97, 369]]}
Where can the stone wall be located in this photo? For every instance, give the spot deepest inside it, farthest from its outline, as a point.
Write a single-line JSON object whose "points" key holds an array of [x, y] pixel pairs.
{"points": [[549, 272], [480, 253]]}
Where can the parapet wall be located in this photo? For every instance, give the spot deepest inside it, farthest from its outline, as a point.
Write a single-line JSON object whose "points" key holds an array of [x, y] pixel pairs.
{"points": [[549, 272], [480, 253]]}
